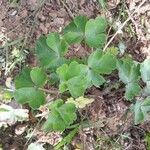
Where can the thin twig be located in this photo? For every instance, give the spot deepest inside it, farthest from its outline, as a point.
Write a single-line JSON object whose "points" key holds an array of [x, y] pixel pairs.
{"points": [[68, 9], [31, 135], [121, 27], [50, 91], [6, 66], [134, 22], [11, 43]]}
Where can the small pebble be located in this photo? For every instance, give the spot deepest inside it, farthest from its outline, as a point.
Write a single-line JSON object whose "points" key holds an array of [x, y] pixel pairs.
{"points": [[13, 13]]}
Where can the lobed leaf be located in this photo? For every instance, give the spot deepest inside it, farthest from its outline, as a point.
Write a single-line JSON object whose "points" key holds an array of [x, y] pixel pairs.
{"points": [[57, 44], [95, 32], [128, 71], [145, 70], [138, 114], [102, 63], [77, 86], [30, 95], [27, 83], [129, 74], [74, 32], [38, 76], [48, 58], [132, 89], [73, 78], [67, 72], [95, 78], [24, 79], [61, 116], [141, 110]]}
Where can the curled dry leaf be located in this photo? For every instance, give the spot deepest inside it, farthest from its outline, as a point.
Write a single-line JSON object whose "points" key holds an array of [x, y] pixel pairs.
{"points": [[113, 3], [36, 146], [80, 102], [20, 129], [44, 112], [52, 138], [8, 82], [10, 116]]}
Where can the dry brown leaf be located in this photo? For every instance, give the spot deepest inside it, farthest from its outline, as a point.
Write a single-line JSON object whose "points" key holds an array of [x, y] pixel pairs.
{"points": [[20, 129], [113, 3], [52, 138]]}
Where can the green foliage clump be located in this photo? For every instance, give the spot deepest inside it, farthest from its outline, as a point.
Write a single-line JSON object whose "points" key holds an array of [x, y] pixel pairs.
{"points": [[61, 116], [74, 77], [129, 74], [27, 87]]}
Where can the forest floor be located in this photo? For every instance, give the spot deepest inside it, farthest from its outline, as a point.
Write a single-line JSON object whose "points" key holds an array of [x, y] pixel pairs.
{"points": [[21, 24]]}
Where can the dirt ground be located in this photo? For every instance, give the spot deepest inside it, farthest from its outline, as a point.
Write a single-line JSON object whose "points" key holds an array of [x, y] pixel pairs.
{"points": [[112, 125]]}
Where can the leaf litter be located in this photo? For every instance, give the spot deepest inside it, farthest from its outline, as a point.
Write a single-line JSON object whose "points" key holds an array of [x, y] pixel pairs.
{"points": [[110, 107]]}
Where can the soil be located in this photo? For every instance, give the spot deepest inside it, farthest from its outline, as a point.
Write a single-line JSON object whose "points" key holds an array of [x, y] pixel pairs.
{"points": [[9, 140], [109, 115]]}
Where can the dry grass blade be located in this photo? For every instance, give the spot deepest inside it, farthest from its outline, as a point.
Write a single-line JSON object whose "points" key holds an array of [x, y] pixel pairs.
{"points": [[122, 26]]}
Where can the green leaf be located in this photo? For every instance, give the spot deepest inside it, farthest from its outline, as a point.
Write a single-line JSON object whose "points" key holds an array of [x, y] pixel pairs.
{"points": [[63, 87], [128, 71], [30, 95], [146, 90], [5, 95], [73, 78], [103, 63], [25, 89], [102, 3], [54, 79], [138, 114], [67, 72], [95, 78], [132, 89], [44, 53], [141, 111], [48, 58], [145, 70], [61, 116], [57, 44], [23, 79], [112, 50], [95, 32], [146, 105], [66, 140], [77, 86], [38, 76], [74, 32], [129, 74]]}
